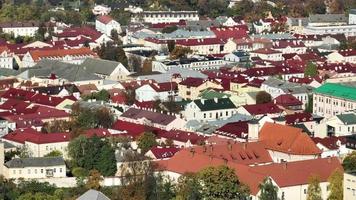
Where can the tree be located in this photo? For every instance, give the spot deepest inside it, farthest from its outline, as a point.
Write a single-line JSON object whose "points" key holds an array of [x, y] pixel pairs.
{"points": [[171, 45], [54, 153], [105, 119], [336, 181], [316, 7], [311, 70], [180, 52], [25, 152], [147, 66], [349, 162], [309, 106], [335, 6], [263, 97], [188, 187], [169, 29], [314, 190], [268, 190], [135, 63], [80, 174], [109, 51], [146, 141], [115, 37], [94, 180], [93, 153], [221, 183]]}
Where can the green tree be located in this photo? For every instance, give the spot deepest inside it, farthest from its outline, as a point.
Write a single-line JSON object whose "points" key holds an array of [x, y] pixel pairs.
{"points": [[54, 153], [311, 70], [109, 51], [268, 190], [180, 52], [309, 105], [188, 187], [263, 97], [314, 190], [169, 29], [94, 180], [349, 162], [171, 45], [316, 7], [336, 181], [221, 183], [146, 141]]}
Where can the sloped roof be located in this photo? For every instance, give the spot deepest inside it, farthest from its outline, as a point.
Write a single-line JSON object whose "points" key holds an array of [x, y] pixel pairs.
{"points": [[100, 66], [93, 195], [214, 104], [337, 90], [105, 19], [347, 118], [41, 54], [35, 162], [287, 139], [154, 117], [287, 100], [265, 108], [164, 152]]}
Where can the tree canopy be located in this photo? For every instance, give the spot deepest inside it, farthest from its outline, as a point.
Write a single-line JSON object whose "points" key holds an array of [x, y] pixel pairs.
{"points": [[311, 70], [268, 190], [336, 181], [263, 97], [146, 141], [349, 162], [314, 190]]}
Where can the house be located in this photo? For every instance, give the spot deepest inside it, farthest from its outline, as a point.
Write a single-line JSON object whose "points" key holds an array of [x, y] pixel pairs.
{"points": [[258, 110], [349, 185], [35, 168], [105, 24], [20, 28], [339, 125], [276, 87], [108, 69], [332, 146], [6, 57], [101, 10], [332, 99], [286, 143], [238, 56], [247, 44], [209, 109], [154, 17], [59, 90], [289, 102], [288, 46], [157, 91], [190, 88], [203, 46], [267, 54], [342, 56], [162, 153], [154, 119], [72, 56]]}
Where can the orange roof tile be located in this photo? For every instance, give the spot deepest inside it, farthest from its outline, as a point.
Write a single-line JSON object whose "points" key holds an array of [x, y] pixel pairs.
{"points": [[40, 54], [297, 173], [287, 139]]}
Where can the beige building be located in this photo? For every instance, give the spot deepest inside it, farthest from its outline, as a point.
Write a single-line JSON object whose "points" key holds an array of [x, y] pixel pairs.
{"points": [[349, 185], [35, 168], [191, 88]]}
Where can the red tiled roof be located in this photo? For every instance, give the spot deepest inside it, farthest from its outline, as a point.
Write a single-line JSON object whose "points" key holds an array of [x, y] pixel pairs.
{"points": [[166, 24], [282, 44], [164, 87], [41, 54], [105, 19], [164, 152], [348, 52], [298, 118], [265, 108], [298, 173], [287, 139], [234, 32], [233, 129], [330, 142], [192, 82], [181, 136], [286, 100], [266, 51], [79, 31]]}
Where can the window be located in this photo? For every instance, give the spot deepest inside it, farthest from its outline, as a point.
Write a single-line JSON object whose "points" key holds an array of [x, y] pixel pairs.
{"points": [[35, 171], [41, 171], [60, 170], [29, 171], [305, 191], [54, 170], [204, 115]]}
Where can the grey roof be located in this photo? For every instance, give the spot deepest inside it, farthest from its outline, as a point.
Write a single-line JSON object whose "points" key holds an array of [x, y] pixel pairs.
{"points": [[154, 117], [347, 118], [100, 66], [352, 11], [67, 71], [328, 18], [288, 87], [178, 34], [275, 36], [8, 145], [8, 72], [93, 195], [35, 162], [295, 21], [185, 73]]}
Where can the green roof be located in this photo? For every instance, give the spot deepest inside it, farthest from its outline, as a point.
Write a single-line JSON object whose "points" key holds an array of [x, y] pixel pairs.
{"points": [[337, 90], [211, 94], [214, 104], [347, 119]]}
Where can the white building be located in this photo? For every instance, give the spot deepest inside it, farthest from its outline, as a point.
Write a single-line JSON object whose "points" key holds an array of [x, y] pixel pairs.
{"points": [[6, 58], [105, 24], [352, 16], [342, 56], [20, 28], [155, 91], [349, 185], [155, 17], [348, 30], [267, 54], [332, 99], [209, 109], [35, 168], [101, 10], [338, 125]]}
